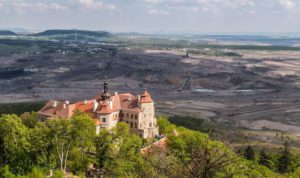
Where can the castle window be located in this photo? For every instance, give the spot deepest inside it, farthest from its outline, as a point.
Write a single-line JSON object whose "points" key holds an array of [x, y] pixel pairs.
{"points": [[135, 125], [150, 124], [127, 115], [135, 117], [131, 116], [103, 119], [131, 124]]}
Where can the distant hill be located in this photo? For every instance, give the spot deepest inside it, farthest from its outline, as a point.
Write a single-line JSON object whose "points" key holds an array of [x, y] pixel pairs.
{"points": [[7, 33], [96, 34]]}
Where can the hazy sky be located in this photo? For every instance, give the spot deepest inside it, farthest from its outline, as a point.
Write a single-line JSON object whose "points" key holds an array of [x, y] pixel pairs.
{"points": [[153, 15]]}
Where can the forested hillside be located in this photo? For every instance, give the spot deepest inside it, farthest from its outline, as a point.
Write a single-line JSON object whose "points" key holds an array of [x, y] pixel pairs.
{"points": [[7, 33], [30, 149], [68, 32]]}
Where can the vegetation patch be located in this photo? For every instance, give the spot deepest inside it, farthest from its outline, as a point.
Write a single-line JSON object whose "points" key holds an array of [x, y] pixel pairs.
{"points": [[19, 108]]}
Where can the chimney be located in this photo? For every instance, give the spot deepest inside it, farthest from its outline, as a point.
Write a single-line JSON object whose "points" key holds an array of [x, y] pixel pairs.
{"points": [[111, 105], [67, 102], [85, 101], [54, 104], [139, 97], [116, 93], [64, 106], [129, 98], [95, 106]]}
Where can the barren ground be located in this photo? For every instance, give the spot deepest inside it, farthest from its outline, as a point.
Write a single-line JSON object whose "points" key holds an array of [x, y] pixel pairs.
{"points": [[260, 90]]}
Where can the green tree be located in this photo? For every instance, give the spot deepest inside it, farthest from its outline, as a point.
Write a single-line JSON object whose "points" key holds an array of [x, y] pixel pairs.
{"points": [[14, 145], [250, 153], [285, 160], [118, 152], [84, 133], [5, 172], [165, 127], [74, 135], [193, 154], [30, 119], [42, 150], [265, 160], [62, 139], [36, 173]]}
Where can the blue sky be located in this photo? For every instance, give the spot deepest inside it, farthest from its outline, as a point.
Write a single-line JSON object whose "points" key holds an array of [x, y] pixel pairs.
{"points": [[194, 16]]}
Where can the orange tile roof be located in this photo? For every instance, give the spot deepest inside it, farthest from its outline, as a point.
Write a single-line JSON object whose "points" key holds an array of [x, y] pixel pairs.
{"points": [[161, 144], [146, 98], [126, 101], [105, 108], [82, 107], [129, 102], [88, 108], [61, 110]]}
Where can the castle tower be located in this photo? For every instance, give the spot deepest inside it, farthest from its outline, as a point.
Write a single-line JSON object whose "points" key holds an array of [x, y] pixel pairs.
{"points": [[105, 95], [147, 118]]}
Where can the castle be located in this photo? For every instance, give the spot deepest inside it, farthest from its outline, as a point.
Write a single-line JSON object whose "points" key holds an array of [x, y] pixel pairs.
{"points": [[108, 109]]}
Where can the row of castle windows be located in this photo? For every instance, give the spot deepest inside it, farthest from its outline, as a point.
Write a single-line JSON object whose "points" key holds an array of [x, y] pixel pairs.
{"points": [[134, 125], [131, 116]]}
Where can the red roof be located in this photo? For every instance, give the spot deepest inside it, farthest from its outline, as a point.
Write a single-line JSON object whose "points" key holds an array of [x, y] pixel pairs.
{"points": [[61, 110], [88, 108], [129, 102], [161, 144], [146, 98], [105, 108], [126, 102]]}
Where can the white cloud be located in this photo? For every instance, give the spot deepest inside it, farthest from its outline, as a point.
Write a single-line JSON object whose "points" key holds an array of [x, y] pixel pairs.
{"points": [[20, 7], [228, 3], [97, 5], [158, 12], [287, 4], [153, 1]]}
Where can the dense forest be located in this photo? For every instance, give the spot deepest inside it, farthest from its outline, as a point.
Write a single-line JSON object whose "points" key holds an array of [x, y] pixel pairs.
{"points": [[69, 147]]}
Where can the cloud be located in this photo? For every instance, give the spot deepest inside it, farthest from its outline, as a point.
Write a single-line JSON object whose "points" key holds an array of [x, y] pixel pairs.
{"points": [[153, 1], [158, 12], [20, 7], [97, 5], [227, 3], [204, 5], [287, 4]]}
